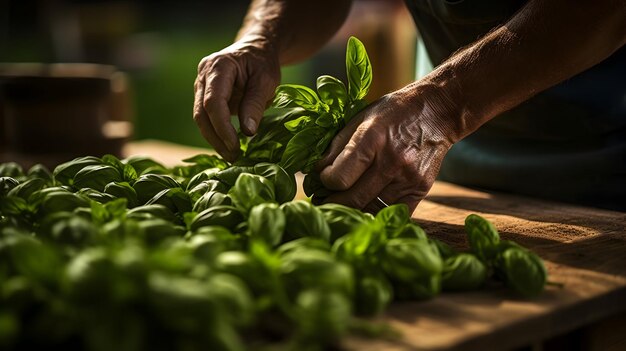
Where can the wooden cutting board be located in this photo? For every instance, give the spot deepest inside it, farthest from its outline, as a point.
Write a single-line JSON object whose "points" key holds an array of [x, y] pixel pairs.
{"points": [[584, 250]]}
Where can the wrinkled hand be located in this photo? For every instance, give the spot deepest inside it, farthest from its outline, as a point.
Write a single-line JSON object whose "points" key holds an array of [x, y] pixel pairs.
{"points": [[393, 150], [238, 80]]}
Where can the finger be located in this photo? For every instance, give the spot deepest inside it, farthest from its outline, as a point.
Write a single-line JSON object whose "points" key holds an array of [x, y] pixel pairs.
{"points": [[356, 157], [338, 144], [202, 120], [258, 92], [364, 190], [217, 92]]}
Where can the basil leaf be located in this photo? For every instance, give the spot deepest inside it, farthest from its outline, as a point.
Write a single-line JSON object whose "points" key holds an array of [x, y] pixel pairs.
{"points": [[482, 236], [292, 95], [267, 222], [210, 161], [332, 92], [251, 190], [299, 124], [394, 218], [358, 68], [300, 149], [523, 271], [463, 272], [326, 120]]}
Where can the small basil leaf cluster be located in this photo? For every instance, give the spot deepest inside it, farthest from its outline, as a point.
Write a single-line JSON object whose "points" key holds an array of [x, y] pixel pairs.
{"points": [[301, 122], [519, 268]]}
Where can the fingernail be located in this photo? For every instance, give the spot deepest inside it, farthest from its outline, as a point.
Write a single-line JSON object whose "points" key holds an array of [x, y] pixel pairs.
{"points": [[250, 125]]}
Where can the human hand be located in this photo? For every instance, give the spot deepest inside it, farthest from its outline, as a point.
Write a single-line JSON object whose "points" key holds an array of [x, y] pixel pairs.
{"points": [[238, 80], [392, 150]]}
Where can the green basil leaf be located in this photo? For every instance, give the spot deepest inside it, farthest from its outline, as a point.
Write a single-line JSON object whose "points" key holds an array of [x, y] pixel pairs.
{"points": [[394, 218], [211, 199], [284, 182], [251, 190], [62, 201], [143, 165], [175, 199], [445, 251], [332, 92], [40, 171], [96, 177], [323, 316], [23, 190], [145, 212], [7, 184], [226, 216], [410, 230], [299, 124], [326, 120], [129, 173], [210, 161], [267, 222], [482, 236], [309, 268], [342, 219], [11, 169], [114, 162], [291, 95], [373, 294], [523, 271], [149, 185], [122, 190], [95, 195], [363, 243], [245, 267], [303, 219], [233, 298], [300, 149], [413, 266], [65, 172], [358, 68], [463, 272]]}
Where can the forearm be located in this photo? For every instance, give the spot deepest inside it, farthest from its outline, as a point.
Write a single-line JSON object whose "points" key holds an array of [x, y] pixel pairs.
{"points": [[295, 29], [546, 42]]}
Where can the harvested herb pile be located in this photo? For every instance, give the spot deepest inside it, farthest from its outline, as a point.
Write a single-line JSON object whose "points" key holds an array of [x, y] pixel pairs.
{"points": [[109, 254]]}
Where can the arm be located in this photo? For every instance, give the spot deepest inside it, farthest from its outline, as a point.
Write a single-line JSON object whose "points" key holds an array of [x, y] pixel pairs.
{"points": [[297, 29], [241, 79], [545, 43], [395, 147]]}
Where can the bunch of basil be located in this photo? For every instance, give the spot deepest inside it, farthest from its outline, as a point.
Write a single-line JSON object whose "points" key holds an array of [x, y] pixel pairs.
{"points": [[301, 122], [110, 254]]}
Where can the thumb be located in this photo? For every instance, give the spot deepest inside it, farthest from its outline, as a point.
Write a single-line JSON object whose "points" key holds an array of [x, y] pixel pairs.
{"points": [[258, 93]]}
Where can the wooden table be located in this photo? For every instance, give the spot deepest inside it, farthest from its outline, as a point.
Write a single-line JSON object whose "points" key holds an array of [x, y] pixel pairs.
{"points": [[584, 249]]}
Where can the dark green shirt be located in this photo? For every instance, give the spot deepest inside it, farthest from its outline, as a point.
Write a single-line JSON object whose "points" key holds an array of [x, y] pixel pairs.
{"points": [[567, 143]]}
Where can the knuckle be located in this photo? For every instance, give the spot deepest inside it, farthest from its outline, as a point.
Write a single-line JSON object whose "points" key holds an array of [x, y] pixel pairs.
{"points": [[203, 63]]}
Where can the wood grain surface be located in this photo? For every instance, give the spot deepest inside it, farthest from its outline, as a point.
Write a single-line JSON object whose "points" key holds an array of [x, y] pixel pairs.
{"points": [[584, 250]]}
